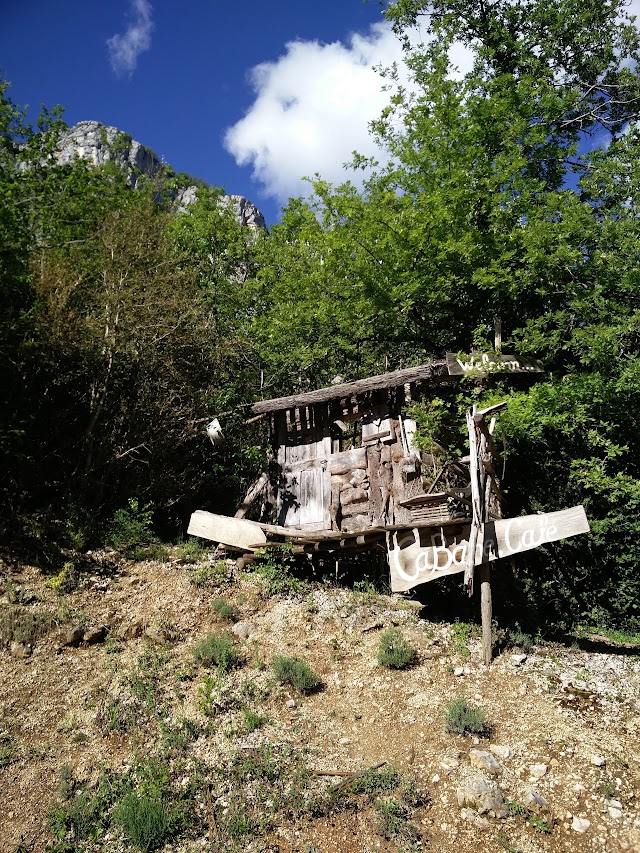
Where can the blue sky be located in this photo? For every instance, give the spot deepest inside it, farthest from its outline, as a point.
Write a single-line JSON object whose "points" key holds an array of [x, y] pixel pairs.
{"points": [[249, 96]]}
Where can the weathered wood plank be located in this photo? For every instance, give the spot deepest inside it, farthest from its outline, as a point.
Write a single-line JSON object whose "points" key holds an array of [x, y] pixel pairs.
{"points": [[435, 370], [234, 532], [252, 494], [420, 555], [342, 463]]}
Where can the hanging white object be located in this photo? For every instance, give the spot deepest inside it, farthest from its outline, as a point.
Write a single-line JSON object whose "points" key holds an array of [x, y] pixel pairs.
{"points": [[214, 431]]}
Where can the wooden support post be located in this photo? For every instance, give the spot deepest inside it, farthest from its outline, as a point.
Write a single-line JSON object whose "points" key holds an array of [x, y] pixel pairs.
{"points": [[486, 612], [254, 492], [476, 500]]}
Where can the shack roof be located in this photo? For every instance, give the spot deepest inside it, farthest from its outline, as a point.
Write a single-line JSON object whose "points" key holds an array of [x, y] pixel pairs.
{"points": [[431, 372]]}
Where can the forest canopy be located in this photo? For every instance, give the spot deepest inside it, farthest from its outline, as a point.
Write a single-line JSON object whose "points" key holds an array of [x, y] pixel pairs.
{"points": [[506, 193]]}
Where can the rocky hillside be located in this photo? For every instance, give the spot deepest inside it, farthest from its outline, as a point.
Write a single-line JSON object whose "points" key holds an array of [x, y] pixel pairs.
{"points": [[156, 705], [101, 143]]}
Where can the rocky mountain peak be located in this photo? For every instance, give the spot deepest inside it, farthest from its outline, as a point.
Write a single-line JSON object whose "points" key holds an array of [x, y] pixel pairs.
{"points": [[100, 144]]}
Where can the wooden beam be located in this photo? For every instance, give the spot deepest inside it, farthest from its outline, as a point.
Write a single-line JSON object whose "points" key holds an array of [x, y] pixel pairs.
{"points": [[435, 371], [252, 494]]}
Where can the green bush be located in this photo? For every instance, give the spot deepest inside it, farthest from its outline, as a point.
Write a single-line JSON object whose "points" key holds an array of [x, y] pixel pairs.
{"points": [[217, 650], [193, 550], [131, 526], [394, 651], [144, 819], [462, 718], [393, 823], [296, 672], [224, 610]]}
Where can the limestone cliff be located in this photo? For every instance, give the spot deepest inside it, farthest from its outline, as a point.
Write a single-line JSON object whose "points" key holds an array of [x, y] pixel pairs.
{"points": [[101, 143]]}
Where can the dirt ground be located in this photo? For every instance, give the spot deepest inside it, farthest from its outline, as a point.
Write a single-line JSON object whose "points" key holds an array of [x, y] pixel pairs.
{"points": [[563, 723]]}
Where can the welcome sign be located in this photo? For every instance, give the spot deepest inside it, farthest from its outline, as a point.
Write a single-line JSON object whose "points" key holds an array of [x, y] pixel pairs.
{"points": [[459, 365], [424, 554]]}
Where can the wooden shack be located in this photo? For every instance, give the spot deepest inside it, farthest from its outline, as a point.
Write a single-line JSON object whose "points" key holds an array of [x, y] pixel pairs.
{"points": [[344, 460]]}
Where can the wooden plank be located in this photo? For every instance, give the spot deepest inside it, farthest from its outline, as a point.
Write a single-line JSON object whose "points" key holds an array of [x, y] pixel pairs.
{"points": [[252, 495], [433, 371], [342, 463], [234, 532], [419, 555], [486, 363], [477, 493]]}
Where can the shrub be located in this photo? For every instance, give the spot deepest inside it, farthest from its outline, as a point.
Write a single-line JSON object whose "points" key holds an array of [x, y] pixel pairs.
{"points": [[252, 720], [144, 819], [193, 550], [224, 610], [131, 526], [375, 781], [462, 718], [217, 650], [393, 823], [296, 672], [394, 651]]}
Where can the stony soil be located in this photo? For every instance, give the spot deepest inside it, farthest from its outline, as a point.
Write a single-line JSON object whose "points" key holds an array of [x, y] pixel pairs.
{"points": [[564, 723]]}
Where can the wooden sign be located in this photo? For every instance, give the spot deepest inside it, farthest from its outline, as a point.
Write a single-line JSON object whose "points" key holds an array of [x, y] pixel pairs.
{"points": [[460, 365], [238, 533], [424, 554]]}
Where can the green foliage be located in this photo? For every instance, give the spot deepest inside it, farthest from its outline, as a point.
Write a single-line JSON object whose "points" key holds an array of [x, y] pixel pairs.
{"points": [[224, 610], [296, 672], [253, 720], [393, 823], [193, 550], [131, 526], [276, 569], [394, 651], [464, 719], [8, 750], [375, 781], [145, 820], [217, 650], [461, 634], [65, 581], [209, 574]]}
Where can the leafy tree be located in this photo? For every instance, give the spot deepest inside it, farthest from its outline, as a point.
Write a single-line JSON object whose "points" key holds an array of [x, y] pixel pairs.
{"points": [[117, 336], [510, 193]]}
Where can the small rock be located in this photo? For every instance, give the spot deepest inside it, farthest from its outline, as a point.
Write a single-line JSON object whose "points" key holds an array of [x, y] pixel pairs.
{"points": [[469, 814], [20, 650], [615, 813], [535, 802], [435, 779], [73, 636], [580, 824], [616, 804], [158, 635], [344, 741], [518, 660], [598, 761], [419, 700], [459, 670], [94, 635], [480, 795], [537, 771], [243, 629], [503, 752], [501, 812], [372, 626], [485, 761], [131, 631], [290, 703]]}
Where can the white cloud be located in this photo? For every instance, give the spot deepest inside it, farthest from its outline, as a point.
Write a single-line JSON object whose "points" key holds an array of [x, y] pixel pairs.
{"points": [[124, 49], [312, 109]]}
